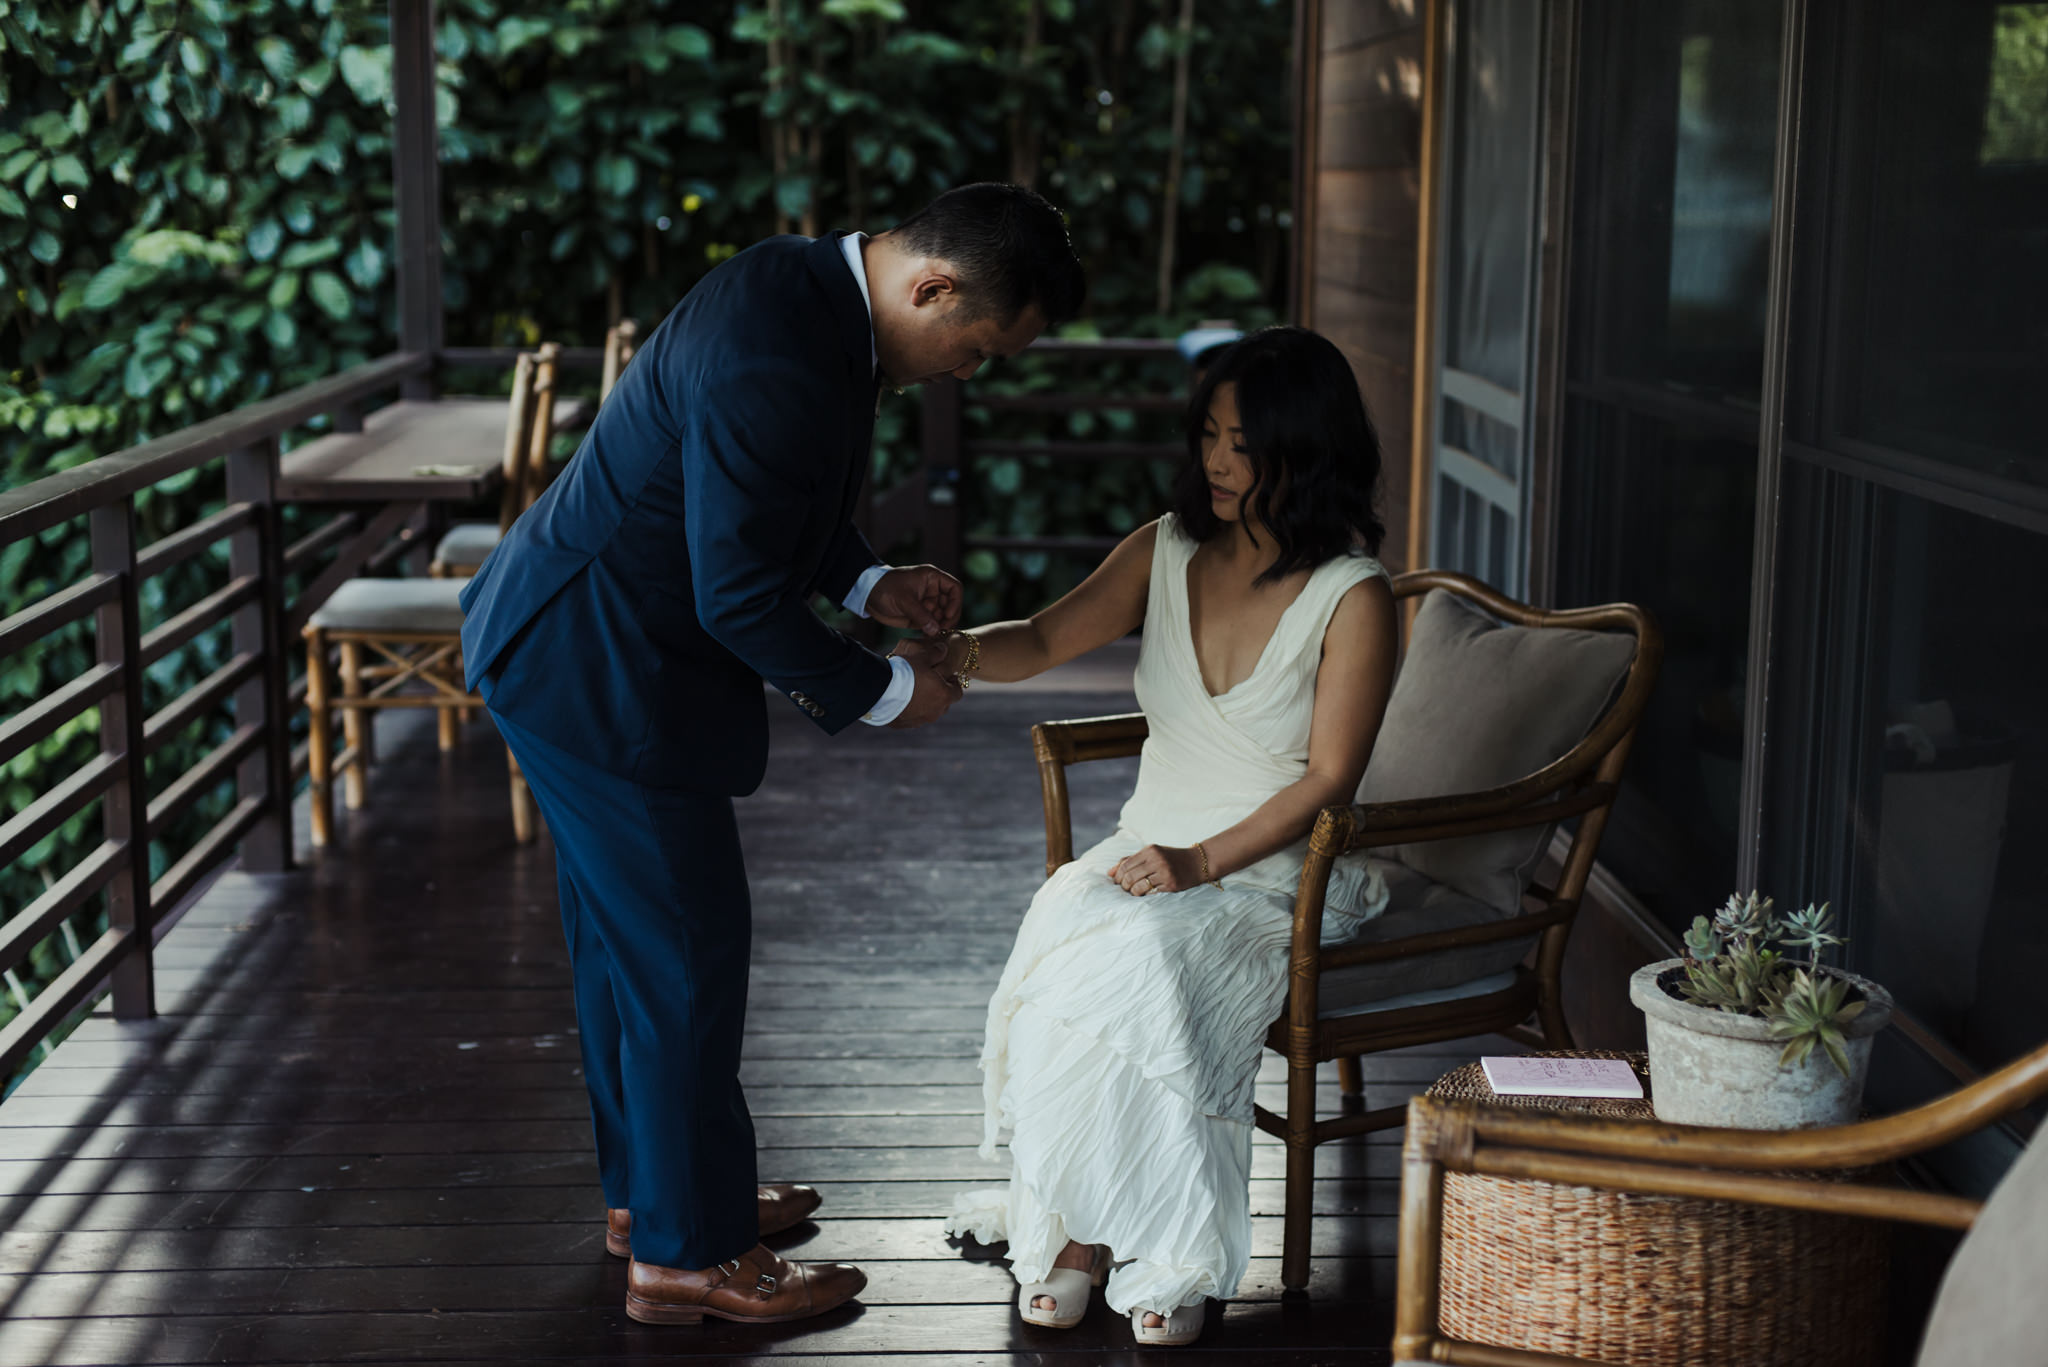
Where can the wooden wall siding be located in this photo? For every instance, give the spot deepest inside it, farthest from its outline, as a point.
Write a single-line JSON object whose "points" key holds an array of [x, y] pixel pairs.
{"points": [[1359, 215]]}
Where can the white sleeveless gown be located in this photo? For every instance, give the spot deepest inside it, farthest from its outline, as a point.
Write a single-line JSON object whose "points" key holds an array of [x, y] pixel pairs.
{"points": [[1123, 1041]]}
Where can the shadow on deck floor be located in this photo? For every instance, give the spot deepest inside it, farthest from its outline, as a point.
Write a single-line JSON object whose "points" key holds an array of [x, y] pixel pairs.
{"points": [[358, 1132]]}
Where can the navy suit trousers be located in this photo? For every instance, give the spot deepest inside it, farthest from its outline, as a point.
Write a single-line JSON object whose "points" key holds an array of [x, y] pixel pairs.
{"points": [[655, 907]]}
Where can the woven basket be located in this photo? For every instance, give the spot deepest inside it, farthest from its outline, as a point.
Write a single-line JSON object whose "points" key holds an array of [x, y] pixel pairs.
{"points": [[1651, 1281]]}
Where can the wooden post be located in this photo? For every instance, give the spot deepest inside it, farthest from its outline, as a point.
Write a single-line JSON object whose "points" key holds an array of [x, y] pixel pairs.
{"points": [[125, 807], [940, 438], [416, 185], [1422, 449], [259, 629]]}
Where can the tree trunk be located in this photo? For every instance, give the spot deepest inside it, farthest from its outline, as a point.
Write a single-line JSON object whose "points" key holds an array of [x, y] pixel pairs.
{"points": [[1169, 216], [1025, 129]]}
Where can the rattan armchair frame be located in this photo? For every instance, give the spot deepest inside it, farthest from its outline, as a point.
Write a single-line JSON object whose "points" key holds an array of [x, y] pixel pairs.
{"points": [[516, 456], [1583, 783], [1670, 1160]]}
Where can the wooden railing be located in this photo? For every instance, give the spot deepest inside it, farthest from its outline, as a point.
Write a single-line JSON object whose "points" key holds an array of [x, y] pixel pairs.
{"points": [[930, 499], [264, 618], [254, 682]]}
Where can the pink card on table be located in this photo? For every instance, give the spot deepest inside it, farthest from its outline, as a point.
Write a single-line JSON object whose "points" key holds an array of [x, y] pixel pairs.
{"points": [[1527, 1075]]}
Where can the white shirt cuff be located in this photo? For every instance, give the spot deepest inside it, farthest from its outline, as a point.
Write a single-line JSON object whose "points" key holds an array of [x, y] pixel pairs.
{"points": [[902, 682], [857, 596]]}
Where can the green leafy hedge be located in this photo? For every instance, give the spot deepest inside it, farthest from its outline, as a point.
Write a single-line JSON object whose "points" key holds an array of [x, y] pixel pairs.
{"points": [[196, 212]]}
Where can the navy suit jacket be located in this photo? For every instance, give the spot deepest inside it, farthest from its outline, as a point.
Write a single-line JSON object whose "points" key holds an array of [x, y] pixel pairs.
{"points": [[630, 615]]}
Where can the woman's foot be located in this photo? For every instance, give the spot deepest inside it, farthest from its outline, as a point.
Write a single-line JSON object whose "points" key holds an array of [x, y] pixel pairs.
{"points": [[1182, 1326], [1061, 1299]]}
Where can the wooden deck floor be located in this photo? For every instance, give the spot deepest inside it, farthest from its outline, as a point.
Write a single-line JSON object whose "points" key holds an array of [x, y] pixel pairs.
{"points": [[358, 1131]]}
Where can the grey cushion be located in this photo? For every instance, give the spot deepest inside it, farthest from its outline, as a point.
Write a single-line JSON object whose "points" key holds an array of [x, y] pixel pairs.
{"points": [[393, 605], [1991, 1312], [1479, 704], [1417, 906], [467, 543]]}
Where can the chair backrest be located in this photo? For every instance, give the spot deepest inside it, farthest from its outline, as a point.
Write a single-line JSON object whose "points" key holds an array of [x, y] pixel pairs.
{"points": [[621, 340], [518, 438], [1508, 707], [541, 435]]}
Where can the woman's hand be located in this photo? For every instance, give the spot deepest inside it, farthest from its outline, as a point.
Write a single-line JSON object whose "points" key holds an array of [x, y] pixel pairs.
{"points": [[1157, 868]]}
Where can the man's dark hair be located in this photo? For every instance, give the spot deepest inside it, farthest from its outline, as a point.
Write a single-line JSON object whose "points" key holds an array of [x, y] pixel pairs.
{"points": [[1314, 455], [1009, 246]]}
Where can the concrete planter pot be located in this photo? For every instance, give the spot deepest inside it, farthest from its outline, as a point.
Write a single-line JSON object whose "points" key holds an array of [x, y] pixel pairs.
{"points": [[1711, 1067]]}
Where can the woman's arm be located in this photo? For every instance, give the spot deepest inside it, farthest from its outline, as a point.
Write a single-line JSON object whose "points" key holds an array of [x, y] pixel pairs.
{"points": [[1107, 606], [1352, 686]]}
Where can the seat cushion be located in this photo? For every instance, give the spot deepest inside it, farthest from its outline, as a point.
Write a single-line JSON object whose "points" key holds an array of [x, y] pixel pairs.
{"points": [[467, 543], [1479, 704], [1991, 1311], [1416, 906], [393, 605]]}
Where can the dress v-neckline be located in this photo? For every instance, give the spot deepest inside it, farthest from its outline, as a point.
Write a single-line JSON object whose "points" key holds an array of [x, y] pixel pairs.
{"points": [[1188, 625]]}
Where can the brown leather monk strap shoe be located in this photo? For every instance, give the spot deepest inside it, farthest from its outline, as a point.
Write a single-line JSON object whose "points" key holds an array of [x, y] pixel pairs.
{"points": [[781, 1205], [757, 1287]]}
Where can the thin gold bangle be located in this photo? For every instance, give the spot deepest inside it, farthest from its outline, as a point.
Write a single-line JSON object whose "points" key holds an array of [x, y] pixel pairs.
{"points": [[970, 665], [1212, 882]]}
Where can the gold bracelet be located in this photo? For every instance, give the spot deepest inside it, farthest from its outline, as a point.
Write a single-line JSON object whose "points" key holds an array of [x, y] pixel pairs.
{"points": [[972, 664], [1212, 882]]}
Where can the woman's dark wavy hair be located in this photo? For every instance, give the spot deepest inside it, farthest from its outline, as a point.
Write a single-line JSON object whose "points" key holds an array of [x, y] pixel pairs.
{"points": [[1314, 456]]}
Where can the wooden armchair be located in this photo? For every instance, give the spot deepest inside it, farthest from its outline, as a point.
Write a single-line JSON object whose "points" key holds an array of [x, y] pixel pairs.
{"points": [[1987, 1311], [1439, 963]]}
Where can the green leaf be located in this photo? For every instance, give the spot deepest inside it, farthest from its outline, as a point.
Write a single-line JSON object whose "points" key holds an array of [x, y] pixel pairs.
{"points": [[330, 294], [279, 58], [264, 239], [301, 254], [294, 161], [45, 247], [616, 175], [144, 373], [10, 203], [108, 285], [284, 289], [281, 331], [689, 41], [367, 72], [69, 170]]}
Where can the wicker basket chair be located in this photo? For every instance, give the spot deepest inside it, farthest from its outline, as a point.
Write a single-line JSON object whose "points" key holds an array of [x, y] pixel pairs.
{"points": [[1989, 1312], [1439, 963]]}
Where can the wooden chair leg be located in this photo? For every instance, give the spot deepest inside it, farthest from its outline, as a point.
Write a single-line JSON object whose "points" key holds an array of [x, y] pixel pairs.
{"points": [[445, 719], [319, 738], [522, 802], [1350, 1079], [355, 727], [1301, 1175]]}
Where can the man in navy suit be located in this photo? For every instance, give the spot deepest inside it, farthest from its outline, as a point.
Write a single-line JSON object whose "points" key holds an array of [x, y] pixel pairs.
{"points": [[620, 635]]}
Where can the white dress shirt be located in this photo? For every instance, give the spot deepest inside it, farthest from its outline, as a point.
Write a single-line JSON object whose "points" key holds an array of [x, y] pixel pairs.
{"points": [[902, 682]]}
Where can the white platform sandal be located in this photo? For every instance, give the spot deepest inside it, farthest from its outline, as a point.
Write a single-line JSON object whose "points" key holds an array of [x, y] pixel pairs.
{"points": [[1182, 1327], [1069, 1288]]}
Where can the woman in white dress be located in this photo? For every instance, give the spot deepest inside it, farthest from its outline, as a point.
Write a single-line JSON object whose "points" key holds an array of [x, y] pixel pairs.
{"points": [[1124, 1039]]}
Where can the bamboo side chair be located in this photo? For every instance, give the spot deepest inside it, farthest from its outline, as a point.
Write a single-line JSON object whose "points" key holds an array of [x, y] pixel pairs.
{"points": [[1742, 1166], [1581, 783], [398, 642], [621, 340], [529, 424]]}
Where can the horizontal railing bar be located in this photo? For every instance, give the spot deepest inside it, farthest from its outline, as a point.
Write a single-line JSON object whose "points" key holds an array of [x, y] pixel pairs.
{"points": [[71, 987], [217, 767], [1100, 545], [302, 760], [1078, 450], [42, 717], [196, 701], [568, 357], [1076, 403], [202, 616], [213, 847], [57, 806], [319, 539], [1105, 346], [60, 609], [69, 493], [27, 928], [164, 552]]}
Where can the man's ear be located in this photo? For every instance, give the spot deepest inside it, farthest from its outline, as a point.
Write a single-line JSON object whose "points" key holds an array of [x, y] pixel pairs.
{"points": [[931, 288]]}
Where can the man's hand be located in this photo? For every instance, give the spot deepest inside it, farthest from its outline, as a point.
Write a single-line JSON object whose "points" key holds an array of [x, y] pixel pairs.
{"points": [[931, 692], [920, 597]]}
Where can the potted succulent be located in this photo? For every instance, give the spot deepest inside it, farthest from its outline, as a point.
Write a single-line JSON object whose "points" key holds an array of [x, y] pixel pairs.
{"points": [[1748, 1035]]}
